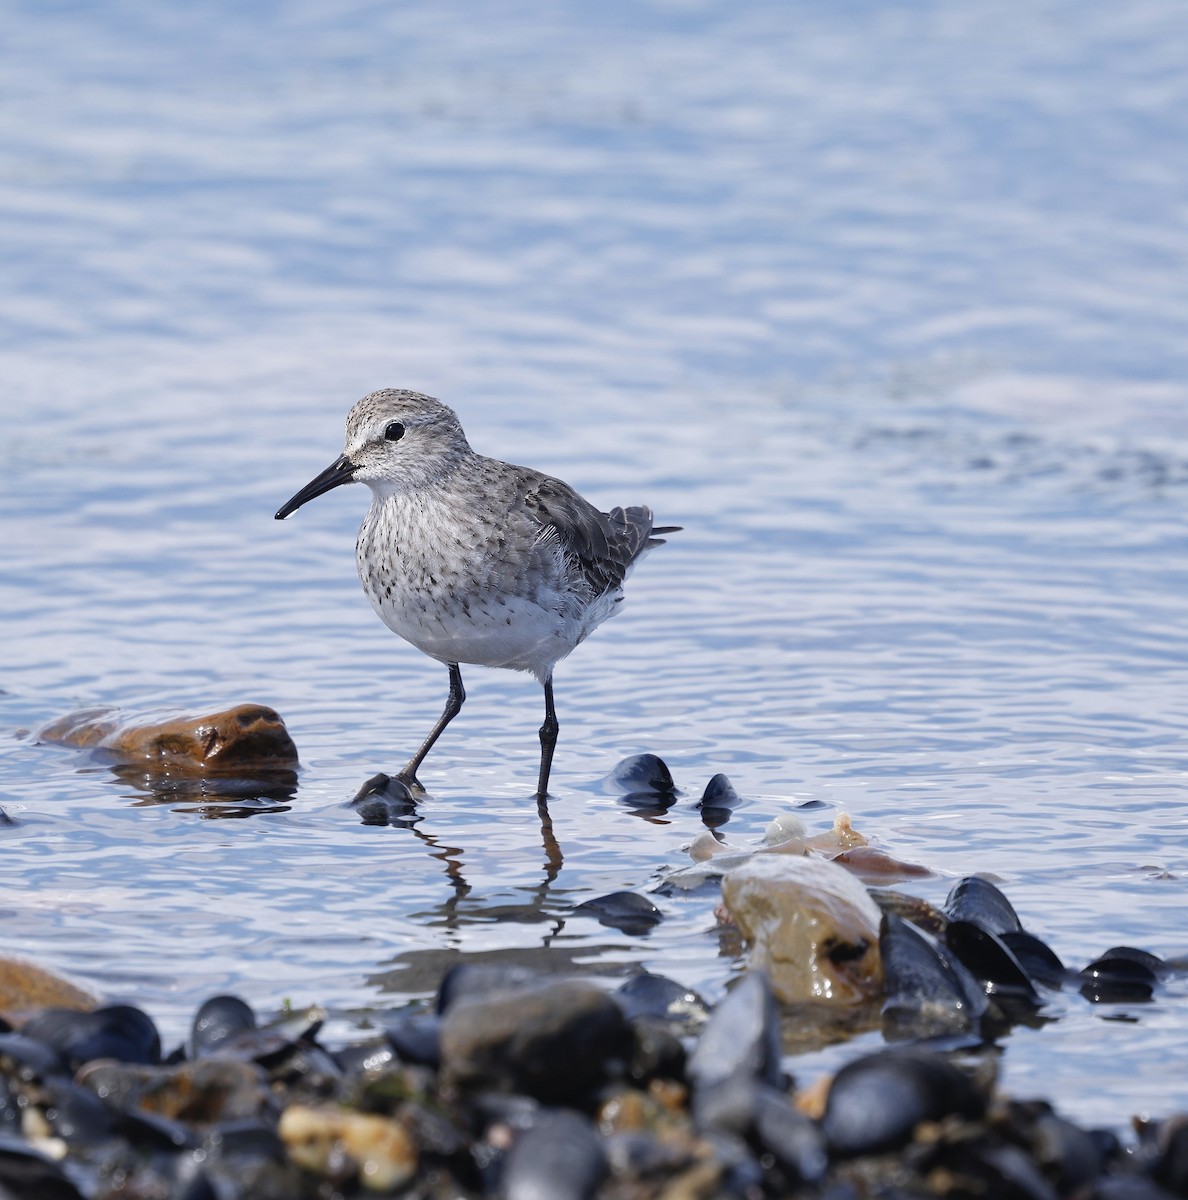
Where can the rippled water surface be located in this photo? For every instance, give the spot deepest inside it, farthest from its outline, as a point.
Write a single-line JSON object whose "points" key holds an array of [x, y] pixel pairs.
{"points": [[885, 306]]}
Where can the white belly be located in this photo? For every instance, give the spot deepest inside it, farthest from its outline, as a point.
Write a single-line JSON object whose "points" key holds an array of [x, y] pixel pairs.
{"points": [[443, 591]]}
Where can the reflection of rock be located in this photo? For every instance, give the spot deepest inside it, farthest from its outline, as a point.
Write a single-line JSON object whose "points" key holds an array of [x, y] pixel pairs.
{"points": [[25, 985], [810, 925], [244, 738]]}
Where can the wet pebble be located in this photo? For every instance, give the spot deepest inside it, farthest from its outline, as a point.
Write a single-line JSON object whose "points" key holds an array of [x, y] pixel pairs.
{"points": [[646, 994], [628, 912], [218, 1021], [876, 1102], [515, 1040], [741, 1037], [643, 774], [561, 1157]]}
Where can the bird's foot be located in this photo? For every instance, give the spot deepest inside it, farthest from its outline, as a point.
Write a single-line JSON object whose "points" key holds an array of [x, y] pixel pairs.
{"points": [[408, 779], [388, 786], [383, 800]]}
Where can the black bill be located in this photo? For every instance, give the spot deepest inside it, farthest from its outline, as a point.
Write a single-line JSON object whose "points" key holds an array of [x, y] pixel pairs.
{"points": [[342, 471]]}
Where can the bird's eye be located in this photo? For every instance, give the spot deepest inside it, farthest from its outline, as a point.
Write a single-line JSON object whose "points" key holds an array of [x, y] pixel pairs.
{"points": [[394, 432]]}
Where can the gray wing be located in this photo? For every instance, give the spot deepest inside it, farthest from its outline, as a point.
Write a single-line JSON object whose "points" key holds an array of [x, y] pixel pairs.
{"points": [[604, 545]]}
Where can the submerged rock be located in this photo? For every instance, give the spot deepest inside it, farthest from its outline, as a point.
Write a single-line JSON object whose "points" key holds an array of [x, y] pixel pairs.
{"points": [[246, 737], [810, 925]]}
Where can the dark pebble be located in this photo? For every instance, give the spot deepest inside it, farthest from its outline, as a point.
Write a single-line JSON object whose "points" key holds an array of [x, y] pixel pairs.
{"points": [[119, 1031], [415, 1038], [555, 1042], [219, 1019], [875, 1103], [651, 995], [628, 912], [559, 1158], [641, 774], [742, 1035]]}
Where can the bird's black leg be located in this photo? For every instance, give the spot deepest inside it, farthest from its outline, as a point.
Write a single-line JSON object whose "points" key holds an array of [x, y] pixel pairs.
{"points": [[453, 707], [548, 741]]}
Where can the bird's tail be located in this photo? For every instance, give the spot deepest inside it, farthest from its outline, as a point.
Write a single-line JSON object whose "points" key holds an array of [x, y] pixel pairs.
{"points": [[639, 533]]}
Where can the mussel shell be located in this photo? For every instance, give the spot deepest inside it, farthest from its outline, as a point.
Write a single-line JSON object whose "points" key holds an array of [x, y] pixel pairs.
{"points": [[118, 1031], [978, 901], [75, 1113], [642, 774], [1037, 958], [629, 912], [32, 1058], [928, 991], [1158, 968], [991, 962], [416, 1038], [648, 995], [876, 1102], [1118, 981], [219, 1020]]}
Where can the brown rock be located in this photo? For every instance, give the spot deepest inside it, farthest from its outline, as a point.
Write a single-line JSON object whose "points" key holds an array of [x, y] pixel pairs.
{"points": [[246, 737], [24, 985], [810, 925]]}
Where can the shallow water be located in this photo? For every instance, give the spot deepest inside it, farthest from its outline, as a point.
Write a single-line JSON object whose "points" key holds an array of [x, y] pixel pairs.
{"points": [[887, 310]]}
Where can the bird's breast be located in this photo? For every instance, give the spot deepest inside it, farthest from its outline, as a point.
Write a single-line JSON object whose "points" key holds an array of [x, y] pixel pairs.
{"points": [[462, 590]]}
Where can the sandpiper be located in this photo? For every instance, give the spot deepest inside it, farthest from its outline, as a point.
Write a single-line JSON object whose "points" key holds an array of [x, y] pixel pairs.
{"points": [[474, 560]]}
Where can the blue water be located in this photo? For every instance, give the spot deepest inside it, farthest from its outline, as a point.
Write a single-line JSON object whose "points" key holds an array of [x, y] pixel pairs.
{"points": [[885, 305]]}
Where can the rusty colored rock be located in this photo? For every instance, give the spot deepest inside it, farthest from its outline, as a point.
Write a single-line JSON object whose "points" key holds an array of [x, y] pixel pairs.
{"points": [[246, 737], [25, 985], [876, 866], [810, 925]]}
